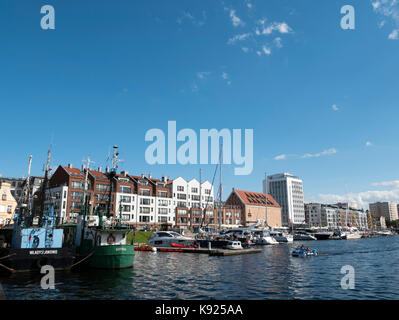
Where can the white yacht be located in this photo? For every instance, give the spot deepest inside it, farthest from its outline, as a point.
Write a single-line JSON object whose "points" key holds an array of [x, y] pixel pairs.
{"points": [[282, 236], [264, 238], [167, 238], [353, 234]]}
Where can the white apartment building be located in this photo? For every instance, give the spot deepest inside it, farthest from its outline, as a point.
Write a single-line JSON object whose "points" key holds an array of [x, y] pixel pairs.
{"points": [[145, 207], [388, 210], [189, 194], [287, 190]]}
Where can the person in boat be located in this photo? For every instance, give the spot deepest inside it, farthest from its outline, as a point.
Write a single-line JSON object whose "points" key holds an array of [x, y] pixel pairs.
{"points": [[307, 249]]}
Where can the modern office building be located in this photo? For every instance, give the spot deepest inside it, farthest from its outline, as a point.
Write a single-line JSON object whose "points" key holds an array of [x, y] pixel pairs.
{"points": [[388, 210], [287, 191]]}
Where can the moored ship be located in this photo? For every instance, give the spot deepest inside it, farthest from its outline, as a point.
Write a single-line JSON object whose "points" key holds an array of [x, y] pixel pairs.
{"points": [[101, 240], [27, 247]]}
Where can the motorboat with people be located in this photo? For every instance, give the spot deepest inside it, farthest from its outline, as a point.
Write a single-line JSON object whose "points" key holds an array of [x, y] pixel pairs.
{"points": [[304, 252], [281, 236], [169, 239]]}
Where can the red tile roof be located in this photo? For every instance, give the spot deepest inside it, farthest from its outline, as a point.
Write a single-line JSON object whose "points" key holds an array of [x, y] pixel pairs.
{"points": [[256, 198]]}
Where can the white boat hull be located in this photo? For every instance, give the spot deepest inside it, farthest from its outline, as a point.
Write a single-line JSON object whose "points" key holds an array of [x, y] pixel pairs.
{"points": [[287, 238], [267, 241]]}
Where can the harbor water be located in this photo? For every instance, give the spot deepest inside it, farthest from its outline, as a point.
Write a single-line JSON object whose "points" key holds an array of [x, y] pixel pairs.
{"points": [[271, 274]]}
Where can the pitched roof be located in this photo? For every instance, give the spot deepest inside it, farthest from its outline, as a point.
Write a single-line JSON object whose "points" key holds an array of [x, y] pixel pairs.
{"points": [[74, 172], [256, 198]]}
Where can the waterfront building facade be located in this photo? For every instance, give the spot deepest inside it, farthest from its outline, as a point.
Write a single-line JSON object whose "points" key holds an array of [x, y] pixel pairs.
{"points": [[8, 204], [333, 216], [136, 200], [287, 190], [252, 207], [388, 210]]}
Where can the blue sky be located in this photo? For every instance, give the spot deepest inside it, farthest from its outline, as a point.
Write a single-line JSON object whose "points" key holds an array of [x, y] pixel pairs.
{"points": [[322, 101]]}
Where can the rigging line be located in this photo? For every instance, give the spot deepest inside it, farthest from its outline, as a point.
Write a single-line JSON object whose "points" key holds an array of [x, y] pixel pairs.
{"points": [[206, 204]]}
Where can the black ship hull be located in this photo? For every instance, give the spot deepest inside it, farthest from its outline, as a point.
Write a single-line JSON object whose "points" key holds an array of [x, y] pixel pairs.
{"points": [[32, 260]]}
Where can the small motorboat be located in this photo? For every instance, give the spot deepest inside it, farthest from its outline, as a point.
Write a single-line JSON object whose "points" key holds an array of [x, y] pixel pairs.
{"points": [[234, 245], [176, 245], [304, 252]]}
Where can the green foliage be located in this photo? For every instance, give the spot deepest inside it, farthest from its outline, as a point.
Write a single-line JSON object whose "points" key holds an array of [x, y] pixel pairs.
{"points": [[139, 236]]}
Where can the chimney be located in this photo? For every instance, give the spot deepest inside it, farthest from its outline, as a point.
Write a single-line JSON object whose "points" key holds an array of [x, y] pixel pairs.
{"points": [[164, 179], [143, 175], [124, 173], [83, 167], [149, 175], [99, 169], [106, 169], [70, 165]]}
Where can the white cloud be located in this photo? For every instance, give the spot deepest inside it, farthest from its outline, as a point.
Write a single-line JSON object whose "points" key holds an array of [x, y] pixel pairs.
{"points": [[236, 21], [280, 157], [327, 152], [194, 87], [203, 75], [281, 27], [239, 37], [245, 49], [362, 199], [335, 107], [266, 50], [225, 76], [368, 144], [388, 9], [391, 184], [277, 42], [394, 35], [189, 17]]}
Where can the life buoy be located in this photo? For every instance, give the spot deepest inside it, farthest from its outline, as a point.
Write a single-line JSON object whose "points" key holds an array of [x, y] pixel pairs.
{"points": [[110, 239]]}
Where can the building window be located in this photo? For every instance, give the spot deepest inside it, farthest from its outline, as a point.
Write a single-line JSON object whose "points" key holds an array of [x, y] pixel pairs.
{"points": [[144, 192], [180, 188], [144, 210], [102, 187], [144, 219], [125, 189], [126, 199], [77, 185], [163, 194]]}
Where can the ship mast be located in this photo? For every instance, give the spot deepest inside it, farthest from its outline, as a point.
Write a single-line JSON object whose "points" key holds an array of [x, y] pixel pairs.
{"points": [[220, 186], [111, 176], [45, 184], [24, 200], [266, 187], [85, 187]]}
